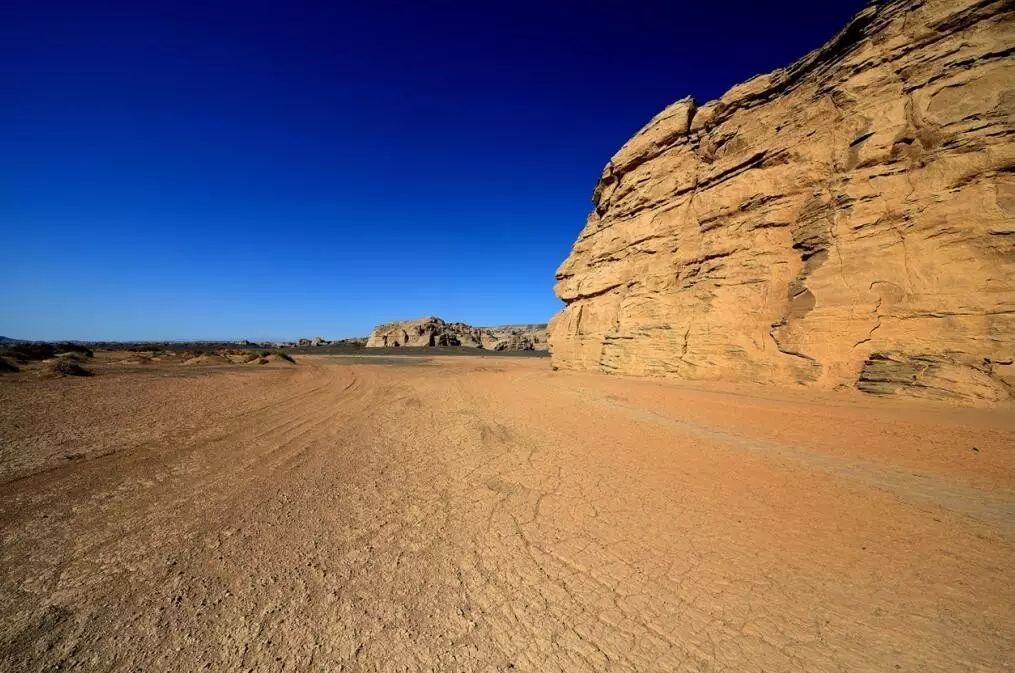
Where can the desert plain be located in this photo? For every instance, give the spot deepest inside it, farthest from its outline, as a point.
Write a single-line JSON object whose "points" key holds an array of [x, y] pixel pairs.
{"points": [[380, 513]]}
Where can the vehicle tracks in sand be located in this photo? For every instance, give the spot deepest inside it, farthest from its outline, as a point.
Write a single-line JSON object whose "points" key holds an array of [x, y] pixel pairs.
{"points": [[997, 509], [459, 516]]}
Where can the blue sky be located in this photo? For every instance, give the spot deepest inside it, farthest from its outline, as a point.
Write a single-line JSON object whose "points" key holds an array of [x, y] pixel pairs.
{"points": [[263, 170]]}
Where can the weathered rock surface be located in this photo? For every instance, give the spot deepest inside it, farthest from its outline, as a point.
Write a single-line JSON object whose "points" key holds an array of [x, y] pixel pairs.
{"points": [[846, 221], [433, 331]]}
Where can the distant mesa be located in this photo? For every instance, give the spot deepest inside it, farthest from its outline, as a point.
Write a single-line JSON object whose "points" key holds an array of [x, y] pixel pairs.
{"points": [[844, 222], [319, 342], [435, 332]]}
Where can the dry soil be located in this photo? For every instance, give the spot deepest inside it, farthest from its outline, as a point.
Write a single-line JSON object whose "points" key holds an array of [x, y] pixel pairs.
{"points": [[385, 514]]}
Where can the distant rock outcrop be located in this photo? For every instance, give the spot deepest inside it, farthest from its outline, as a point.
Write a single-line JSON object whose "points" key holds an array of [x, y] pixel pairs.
{"points": [[846, 221], [433, 331], [318, 342]]}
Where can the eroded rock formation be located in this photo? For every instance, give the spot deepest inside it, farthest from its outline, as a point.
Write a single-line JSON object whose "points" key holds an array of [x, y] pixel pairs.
{"points": [[433, 331], [846, 221]]}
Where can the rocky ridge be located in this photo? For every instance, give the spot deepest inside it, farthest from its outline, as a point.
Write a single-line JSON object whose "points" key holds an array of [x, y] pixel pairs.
{"points": [[845, 221], [433, 331]]}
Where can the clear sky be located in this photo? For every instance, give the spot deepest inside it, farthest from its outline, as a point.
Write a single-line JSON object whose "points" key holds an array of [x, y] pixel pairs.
{"points": [[222, 170]]}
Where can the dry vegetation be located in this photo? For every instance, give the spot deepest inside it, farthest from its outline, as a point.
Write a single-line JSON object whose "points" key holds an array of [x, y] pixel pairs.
{"points": [[33, 360], [67, 366]]}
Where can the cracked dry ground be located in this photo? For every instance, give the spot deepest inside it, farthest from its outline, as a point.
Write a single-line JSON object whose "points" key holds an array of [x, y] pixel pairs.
{"points": [[490, 514]]}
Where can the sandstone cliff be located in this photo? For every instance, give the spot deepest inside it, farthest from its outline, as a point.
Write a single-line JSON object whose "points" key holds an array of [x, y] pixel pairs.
{"points": [[846, 221], [433, 331]]}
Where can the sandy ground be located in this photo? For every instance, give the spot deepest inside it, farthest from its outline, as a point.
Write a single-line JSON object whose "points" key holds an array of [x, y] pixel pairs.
{"points": [[353, 514]]}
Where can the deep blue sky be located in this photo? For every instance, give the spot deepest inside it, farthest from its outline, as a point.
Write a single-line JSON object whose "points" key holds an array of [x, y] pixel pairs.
{"points": [[175, 170]]}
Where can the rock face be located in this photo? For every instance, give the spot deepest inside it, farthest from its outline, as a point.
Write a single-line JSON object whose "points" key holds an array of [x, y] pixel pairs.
{"points": [[846, 221], [433, 331]]}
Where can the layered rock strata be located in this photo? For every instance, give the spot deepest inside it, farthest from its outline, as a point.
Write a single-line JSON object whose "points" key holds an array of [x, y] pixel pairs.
{"points": [[846, 221]]}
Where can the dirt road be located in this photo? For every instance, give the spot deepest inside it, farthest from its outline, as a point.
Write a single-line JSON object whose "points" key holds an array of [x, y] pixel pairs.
{"points": [[492, 515]]}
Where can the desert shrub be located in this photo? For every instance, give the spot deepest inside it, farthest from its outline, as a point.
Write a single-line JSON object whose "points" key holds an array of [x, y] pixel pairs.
{"points": [[31, 351], [68, 367], [7, 365], [70, 347], [285, 356], [41, 350]]}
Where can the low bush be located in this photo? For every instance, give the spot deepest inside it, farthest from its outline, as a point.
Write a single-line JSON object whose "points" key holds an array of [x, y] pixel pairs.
{"points": [[70, 347], [40, 350], [30, 351], [68, 367]]}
